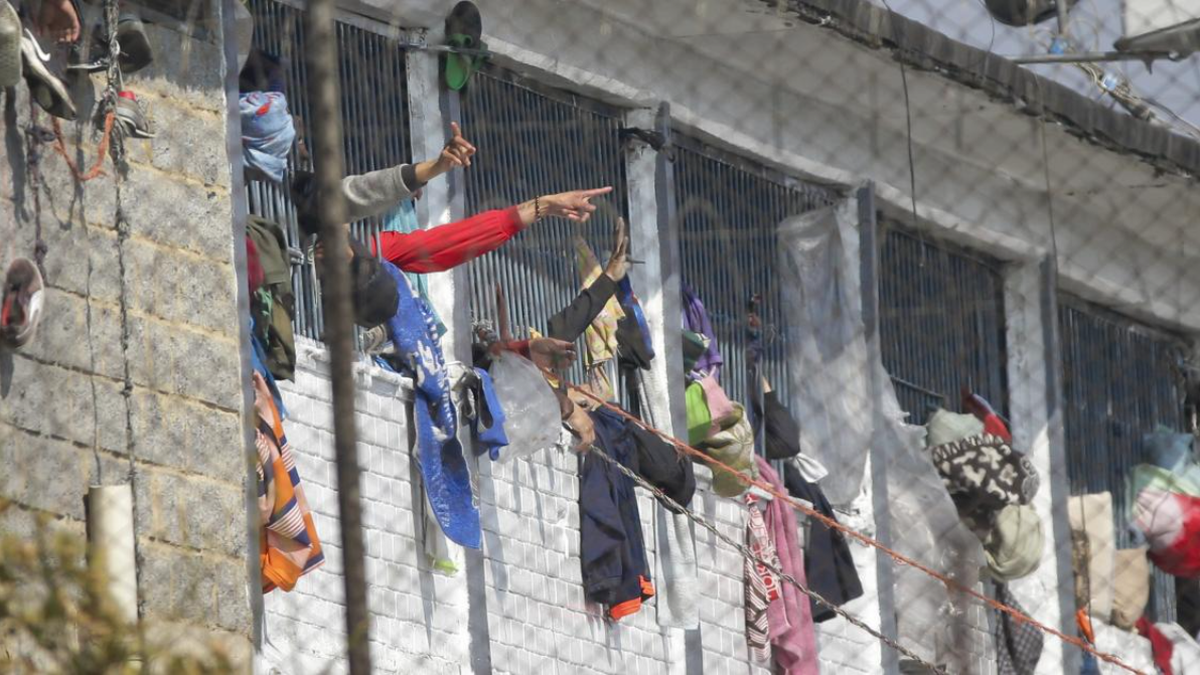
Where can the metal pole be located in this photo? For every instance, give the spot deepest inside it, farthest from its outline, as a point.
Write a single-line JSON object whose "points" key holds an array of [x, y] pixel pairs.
{"points": [[324, 92], [1090, 57]]}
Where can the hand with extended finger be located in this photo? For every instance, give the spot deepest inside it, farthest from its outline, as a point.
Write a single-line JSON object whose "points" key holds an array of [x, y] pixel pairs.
{"points": [[575, 206]]}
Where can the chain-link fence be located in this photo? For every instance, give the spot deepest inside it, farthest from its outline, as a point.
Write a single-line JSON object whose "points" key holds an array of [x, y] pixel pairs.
{"points": [[895, 376]]}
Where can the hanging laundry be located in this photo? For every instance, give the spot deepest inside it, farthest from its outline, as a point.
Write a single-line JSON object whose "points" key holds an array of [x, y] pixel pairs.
{"points": [[634, 346], [1018, 644], [782, 437], [443, 467], [945, 427], [843, 394], [984, 474], [1171, 522], [733, 446], [612, 553], [600, 338], [695, 319], [793, 638], [662, 466], [1166, 507], [1131, 587], [1013, 543], [258, 360], [828, 562], [487, 416], [1135, 650], [761, 586], [830, 364], [1170, 450], [267, 133], [288, 542], [699, 419], [719, 405], [1185, 653], [992, 422], [1094, 551], [1161, 646], [678, 575], [273, 306], [694, 347]]}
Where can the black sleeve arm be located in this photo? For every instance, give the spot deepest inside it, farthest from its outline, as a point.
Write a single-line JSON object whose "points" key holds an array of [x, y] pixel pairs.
{"points": [[570, 323]]}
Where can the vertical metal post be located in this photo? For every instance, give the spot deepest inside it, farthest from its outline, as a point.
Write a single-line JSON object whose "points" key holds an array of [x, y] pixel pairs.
{"points": [[1056, 432], [323, 92], [868, 245]]}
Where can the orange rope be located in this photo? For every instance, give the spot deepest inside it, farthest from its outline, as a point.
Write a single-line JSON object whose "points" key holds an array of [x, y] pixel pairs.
{"points": [[60, 147], [830, 522]]}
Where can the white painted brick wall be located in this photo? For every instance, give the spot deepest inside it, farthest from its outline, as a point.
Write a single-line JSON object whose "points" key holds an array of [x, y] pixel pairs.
{"points": [[538, 620], [414, 612]]}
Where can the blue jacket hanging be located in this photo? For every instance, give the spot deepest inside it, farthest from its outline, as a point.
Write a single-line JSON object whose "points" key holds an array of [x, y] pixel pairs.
{"points": [[612, 552], [443, 468]]}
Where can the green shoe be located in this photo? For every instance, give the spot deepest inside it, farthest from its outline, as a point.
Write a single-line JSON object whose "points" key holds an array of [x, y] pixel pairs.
{"points": [[464, 30]]}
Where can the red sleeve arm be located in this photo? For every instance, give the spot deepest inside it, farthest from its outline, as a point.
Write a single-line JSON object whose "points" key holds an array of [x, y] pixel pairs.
{"points": [[446, 246]]}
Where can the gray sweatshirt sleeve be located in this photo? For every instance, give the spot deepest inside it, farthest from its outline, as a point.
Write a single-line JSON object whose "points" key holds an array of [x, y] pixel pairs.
{"points": [[377, 192]]}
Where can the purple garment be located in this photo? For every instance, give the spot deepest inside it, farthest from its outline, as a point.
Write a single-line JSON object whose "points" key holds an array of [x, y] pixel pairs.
{"points": [[695, 319], [793, 638]]}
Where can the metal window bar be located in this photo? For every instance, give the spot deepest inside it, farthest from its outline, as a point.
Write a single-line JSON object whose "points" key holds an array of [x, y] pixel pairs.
{"points": [[1121, 380], [941, 322], [534, 140], [375, 126], [729, 207]]}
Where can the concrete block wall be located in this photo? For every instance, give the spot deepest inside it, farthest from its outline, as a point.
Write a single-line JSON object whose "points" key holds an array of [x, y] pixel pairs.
{"points": [[66, 420], [416, 614]]}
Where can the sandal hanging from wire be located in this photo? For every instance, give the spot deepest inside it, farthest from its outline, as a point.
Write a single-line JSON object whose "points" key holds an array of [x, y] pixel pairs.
{"points": [[131, 115], [133, 47]]}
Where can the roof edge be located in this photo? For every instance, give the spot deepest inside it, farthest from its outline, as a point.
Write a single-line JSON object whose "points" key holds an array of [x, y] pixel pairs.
{"points": [[923, 48]]}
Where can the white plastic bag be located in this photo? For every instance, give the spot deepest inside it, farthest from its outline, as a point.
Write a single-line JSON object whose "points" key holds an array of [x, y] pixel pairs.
{"points": [[531, 416]]}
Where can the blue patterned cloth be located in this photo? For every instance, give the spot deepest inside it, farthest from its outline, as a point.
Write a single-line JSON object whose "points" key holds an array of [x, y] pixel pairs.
{"points": [[267, 132], [413, 331]]}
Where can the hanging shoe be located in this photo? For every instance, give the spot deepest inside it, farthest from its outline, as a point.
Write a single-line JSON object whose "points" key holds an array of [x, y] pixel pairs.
{"points": [[133, 47], [131, 114], [10, 45], [44, 86], [21, 306], [464, 30]]}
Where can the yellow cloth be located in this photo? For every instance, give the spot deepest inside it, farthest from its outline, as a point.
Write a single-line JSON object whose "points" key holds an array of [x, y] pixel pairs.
{"points": [[600, 338]]}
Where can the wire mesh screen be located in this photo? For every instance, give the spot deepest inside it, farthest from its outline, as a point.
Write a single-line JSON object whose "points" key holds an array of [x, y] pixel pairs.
{"points": [[1121, 381], [941, 322], [374, 122], [728, 212], [538, 141]]}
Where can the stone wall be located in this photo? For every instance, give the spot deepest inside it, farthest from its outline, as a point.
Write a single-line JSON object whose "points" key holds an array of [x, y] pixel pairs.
{"points": [[154, 303]]}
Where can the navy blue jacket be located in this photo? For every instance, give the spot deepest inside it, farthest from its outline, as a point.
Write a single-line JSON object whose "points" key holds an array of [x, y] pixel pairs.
{"points": [[612, 553]]}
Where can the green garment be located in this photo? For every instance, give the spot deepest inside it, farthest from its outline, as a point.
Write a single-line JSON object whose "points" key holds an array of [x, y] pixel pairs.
{"points": [[699, 419], [275, 303]]}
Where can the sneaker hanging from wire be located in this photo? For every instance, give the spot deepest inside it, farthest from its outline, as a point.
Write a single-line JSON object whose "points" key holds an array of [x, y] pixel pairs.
{"points": [[21, 304], [133, 47], [44, 85], [131, 115], [10, 45]]}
